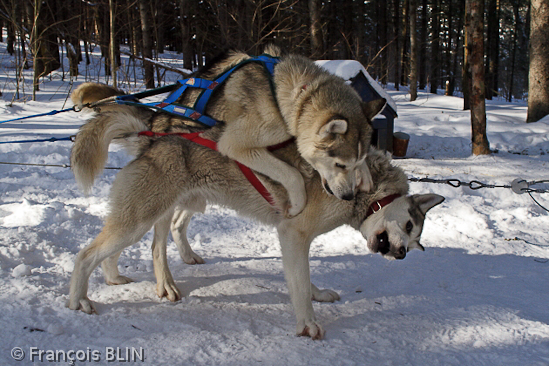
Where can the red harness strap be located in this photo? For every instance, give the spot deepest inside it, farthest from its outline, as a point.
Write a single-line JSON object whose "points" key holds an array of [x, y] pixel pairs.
{"points": [[248, 173]]}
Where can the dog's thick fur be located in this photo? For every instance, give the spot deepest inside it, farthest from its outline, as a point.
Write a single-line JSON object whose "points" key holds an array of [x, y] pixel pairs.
{"points": [[173, 174], [331, 124]]}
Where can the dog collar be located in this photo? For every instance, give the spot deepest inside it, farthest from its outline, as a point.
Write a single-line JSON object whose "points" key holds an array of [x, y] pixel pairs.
{"points": [[378, 205]]}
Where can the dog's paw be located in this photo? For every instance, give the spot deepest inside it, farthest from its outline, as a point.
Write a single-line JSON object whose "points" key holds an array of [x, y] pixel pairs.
{"points": [[192, 258], [292, 210], [84, 305], [366, 182], [120, 280], [312, 329], [169, 290], [324, 295], [298, 200]]}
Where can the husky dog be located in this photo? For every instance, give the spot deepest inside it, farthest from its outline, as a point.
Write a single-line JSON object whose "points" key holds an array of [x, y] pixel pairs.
{"points": [[330, 122], [173, 174]]}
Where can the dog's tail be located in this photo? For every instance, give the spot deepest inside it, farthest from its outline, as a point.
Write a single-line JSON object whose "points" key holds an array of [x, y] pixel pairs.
{"points": [[93, 92], [273, 50], [90, 150]]}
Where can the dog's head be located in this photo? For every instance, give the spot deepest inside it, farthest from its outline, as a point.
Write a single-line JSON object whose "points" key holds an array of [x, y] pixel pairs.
{"points": [[396, 228], [337, 149]]}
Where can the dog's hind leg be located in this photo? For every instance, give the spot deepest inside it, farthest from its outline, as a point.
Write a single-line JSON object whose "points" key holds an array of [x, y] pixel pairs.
{"points": [[110, 271], [180, 222], [165, 285], [134, 210], [112, 240]]}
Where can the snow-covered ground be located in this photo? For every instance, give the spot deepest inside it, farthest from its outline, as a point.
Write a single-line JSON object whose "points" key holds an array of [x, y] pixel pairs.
{"points": [[478, 295]]}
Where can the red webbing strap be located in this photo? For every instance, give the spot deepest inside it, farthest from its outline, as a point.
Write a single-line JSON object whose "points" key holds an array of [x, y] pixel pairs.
{"points": [[248, 173], [378, 205], [281, 145], [254, 181]]}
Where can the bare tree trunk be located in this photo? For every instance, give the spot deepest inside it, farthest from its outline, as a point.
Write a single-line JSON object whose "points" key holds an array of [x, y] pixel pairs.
{"points": [[404, 46], [450, 49], [147, 43], [35, 42], [397, 42], [316, 29], [185, 12], [423, 48], [538, 79], [10, 47], [456, 51], [382, 34], [516, 14], [492, 52], [413, 50], [112, 46], [478, 106], [435, 47], [466, 69]]}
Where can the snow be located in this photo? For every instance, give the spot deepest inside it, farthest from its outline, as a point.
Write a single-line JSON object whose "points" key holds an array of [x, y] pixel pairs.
{"points": [[478, 295]]}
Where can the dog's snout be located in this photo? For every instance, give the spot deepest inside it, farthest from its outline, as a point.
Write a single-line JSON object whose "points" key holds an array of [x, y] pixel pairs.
{"points": [[348, 196], [383, 245], [400, 253]]}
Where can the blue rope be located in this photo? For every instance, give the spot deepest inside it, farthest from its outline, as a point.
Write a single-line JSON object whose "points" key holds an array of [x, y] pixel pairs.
{"points": [[51, 139], [39, 115]]}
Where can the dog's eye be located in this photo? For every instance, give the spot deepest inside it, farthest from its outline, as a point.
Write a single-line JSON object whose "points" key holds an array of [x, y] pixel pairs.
{"points": [[409, 227], [341, 166]]}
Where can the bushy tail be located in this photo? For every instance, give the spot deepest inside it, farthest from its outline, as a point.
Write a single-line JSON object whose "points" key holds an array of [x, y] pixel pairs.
{"points": [[92, 92], [90, 150]]}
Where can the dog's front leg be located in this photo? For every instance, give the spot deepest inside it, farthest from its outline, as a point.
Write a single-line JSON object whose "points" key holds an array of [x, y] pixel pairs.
{"points": [[295, 244], [262, 161]]}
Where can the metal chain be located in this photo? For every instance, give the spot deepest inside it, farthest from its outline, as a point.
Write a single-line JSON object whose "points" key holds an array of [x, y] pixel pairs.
{"points": [[518, 186], [456, 183], [475, 184]]}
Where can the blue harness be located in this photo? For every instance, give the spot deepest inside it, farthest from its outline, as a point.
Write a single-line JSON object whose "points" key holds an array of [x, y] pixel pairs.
{"points": [[196, 112]]}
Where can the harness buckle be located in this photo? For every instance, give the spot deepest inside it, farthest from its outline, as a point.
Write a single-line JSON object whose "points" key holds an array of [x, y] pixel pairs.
{"points": [[374, 210], [195, 115]]}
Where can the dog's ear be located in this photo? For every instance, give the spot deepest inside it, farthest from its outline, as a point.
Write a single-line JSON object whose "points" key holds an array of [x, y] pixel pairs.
{"points": [[415, 245], [372, 108], [334, 126], [427, 201]]}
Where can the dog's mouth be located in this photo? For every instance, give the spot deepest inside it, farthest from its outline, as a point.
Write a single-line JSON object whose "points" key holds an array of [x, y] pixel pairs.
{"points": [[347, 197], [327, 186], [384, 247]]}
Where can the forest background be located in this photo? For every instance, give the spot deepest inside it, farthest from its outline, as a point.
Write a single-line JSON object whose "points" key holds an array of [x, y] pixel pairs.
{"points": [[425, 44]]}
